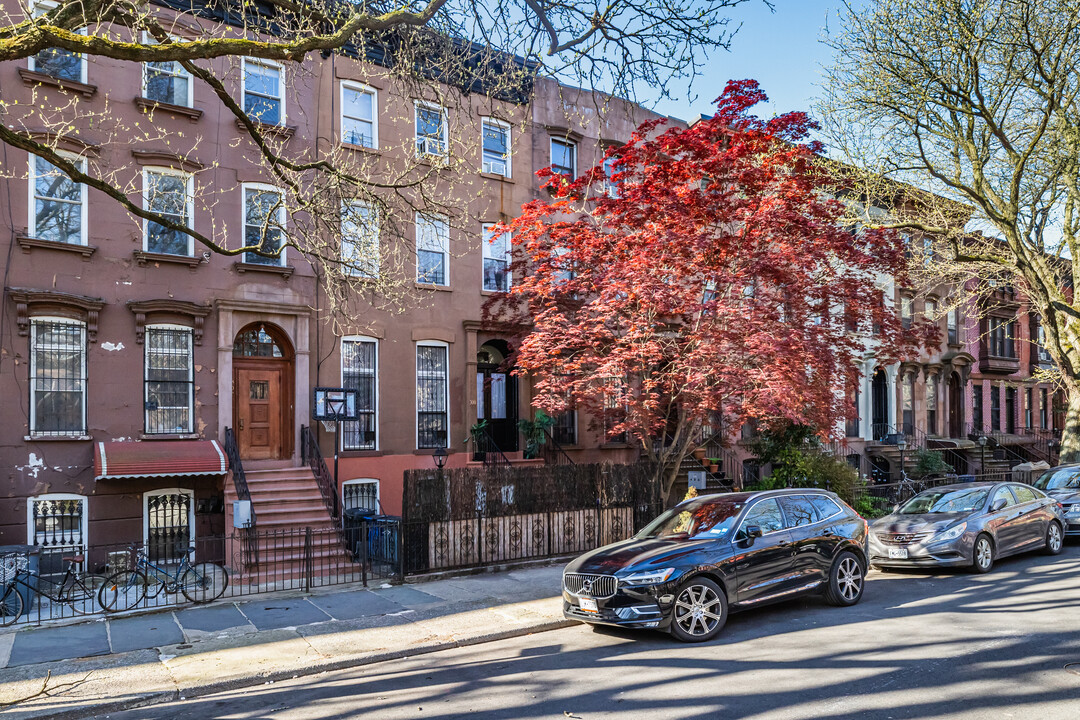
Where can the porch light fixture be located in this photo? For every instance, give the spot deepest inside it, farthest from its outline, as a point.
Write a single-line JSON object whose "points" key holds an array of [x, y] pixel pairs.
{"points": [[440, 457], [982, 454]]}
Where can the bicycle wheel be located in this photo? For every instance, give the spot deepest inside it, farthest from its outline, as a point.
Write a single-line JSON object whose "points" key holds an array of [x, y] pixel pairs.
{"points": [[11, 606], [122, 591], [84, 593], [204, 582]]}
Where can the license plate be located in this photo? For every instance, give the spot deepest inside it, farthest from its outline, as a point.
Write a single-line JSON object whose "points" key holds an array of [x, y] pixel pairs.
{"points": [[898, 553], [587, 605]]}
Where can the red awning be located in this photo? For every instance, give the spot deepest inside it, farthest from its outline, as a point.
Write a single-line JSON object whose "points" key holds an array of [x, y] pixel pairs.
{"points": [[158, 458]]}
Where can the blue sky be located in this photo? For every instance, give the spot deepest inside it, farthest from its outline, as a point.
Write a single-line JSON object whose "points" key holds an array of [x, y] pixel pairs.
{"points": [[780, 49]]}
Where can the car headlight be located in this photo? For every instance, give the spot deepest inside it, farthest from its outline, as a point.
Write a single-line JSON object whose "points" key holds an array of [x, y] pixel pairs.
{"points": [[951, 534], [648, 577], [1071, 509]]}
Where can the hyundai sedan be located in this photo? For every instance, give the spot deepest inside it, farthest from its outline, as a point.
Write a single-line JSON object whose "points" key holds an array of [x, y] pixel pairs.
{"points": [[967, 525], [1063, 484], [685, 569]]}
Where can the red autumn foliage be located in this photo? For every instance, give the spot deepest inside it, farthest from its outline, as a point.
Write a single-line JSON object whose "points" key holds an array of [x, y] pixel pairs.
{"points": [[710, 273]]}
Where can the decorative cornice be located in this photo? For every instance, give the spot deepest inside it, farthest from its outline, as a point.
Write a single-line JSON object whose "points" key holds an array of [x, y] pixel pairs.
{"points": [[70, 143], [165, 158], [143, 258], [28, 243], [142, 308], [31, 77], [284, 271], [283, 131], [148, 106], [79, 307]]}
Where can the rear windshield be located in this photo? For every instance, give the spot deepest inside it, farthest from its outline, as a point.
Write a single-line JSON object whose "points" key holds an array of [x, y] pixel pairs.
{"points": [[1059, 479], [695, 519], [945, 501]]}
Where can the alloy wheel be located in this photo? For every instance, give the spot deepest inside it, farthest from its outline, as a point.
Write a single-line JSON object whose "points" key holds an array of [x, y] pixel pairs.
{"points": [[849, 578], [698, 610], [1053, 538], [984, 554]]}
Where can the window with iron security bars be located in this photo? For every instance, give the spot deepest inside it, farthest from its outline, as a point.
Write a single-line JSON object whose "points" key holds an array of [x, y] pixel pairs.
{"points": [[360, 495], [57, 528], [57, 378], [169, 380], [431, 404], [359, 372], [168, 526]]}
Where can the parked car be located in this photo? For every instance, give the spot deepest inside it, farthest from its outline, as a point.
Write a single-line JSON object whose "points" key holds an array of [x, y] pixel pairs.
{"points": [[967, 524], [1062, 483], [685, 569]]}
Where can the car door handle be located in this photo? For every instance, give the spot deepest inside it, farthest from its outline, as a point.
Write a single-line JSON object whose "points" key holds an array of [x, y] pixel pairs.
{"points": [[783, 543]]}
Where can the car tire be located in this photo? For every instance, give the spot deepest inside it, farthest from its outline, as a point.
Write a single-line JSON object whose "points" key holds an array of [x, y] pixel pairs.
{"points": [[699, 612], [982, 554], [1055, 539], [847, 578]]}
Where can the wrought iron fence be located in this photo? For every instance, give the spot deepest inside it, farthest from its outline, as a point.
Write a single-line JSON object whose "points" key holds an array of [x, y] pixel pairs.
{"points": [[475, 517], [883, 496]]}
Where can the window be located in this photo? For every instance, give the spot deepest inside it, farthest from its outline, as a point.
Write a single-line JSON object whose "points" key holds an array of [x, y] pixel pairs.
{"points": [[766, 515], [359, 371], [610, 185], [168, 524], [169, 380], [496, 259], [852, 424], [430, 130], [264, 224], [931, 406], [798, 511], [1010, 410], [432, 249], [1043, 409], [57, 203], [359, 115], [930, 310], [360, 495], [564, 431], [496, 147], [168, 193], [977, 408], [264, 101], [432, 401], [1043, 355], [57, 377], [908, 398], [751, 471], [1023, 493], [1003, 493], [564, 157], [1029, 405], [907, 306], [57, 525], [995, 407], [359, 239], [825, 507], [166, 82], [954, 326], [615, 409], [1000, 334]]}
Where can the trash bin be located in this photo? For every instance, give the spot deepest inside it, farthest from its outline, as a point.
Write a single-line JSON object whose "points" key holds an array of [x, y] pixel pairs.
{"points": [[11, 556], [353, 523], [371, 533]]}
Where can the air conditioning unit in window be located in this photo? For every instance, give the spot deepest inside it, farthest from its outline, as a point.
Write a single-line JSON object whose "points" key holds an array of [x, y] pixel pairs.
{"points": [[429, 146], [496, 167]]}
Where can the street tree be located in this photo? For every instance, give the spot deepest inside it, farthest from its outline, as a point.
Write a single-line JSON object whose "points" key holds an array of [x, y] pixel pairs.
{"points": [[975, 103], [699, 271], [441, 51]]}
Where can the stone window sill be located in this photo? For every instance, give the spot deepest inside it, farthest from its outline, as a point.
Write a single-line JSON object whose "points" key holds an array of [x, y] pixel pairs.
{"points": [[432, 286], [361, 453], [28, 243], [169, 436], [496, 176], [361, 148], [57, 438], [284, 271], [283, 131], [31, 77], [147, 105], [144, 258]]}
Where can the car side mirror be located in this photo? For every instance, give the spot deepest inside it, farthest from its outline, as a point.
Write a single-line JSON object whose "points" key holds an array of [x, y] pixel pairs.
{"points": [[753, 531], [997, 504]]}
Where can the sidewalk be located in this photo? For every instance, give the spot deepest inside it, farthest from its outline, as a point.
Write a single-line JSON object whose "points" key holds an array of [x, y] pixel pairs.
{"points": [[109, 664]]}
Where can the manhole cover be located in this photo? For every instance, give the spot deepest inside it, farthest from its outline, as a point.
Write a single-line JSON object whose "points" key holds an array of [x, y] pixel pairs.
{"points": [[1073, 667]]}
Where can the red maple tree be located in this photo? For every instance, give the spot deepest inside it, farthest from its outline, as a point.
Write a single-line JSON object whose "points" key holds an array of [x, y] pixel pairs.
{"points": [[710, 273]]}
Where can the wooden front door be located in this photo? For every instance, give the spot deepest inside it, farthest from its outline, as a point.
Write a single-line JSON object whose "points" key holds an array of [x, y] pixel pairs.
{"points": [[258, 403]]}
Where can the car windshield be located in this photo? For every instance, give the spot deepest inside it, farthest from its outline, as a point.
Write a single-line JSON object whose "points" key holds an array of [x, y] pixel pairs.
{"points": [[945, 501], [1059, 479], [695, 519]]}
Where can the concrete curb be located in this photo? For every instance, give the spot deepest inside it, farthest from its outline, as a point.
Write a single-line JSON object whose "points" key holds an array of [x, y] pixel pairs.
{"points": [[210, 688]]}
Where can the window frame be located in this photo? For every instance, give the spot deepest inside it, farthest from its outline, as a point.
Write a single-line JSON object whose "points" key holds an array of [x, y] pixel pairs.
{"points": [[574, 154], [363, 481], [31, 531], [367, 90], [147, 331], [147, 39], [740, 535], [505, 126], [416, 389], [373, 220], [281, 89], [33, 430], [40, 7], [84, 205], [192, 525], [189, 205], [282, 221], [445, 134], [434, 219], [375, 374], [485, 249]]}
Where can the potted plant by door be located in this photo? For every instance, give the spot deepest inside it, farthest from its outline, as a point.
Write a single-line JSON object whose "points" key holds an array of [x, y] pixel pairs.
{"points": [[699, 454], [714, 465]]}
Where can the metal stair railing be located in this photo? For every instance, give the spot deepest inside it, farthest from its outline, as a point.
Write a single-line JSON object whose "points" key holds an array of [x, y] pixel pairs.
{"points": [[486, 450], [554, 454], [232, 452], [310, 453]]}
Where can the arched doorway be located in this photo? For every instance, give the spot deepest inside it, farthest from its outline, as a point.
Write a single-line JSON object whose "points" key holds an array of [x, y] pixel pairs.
{"points": [[496, 395], [263, 392], [956, 406], [879, 397]]}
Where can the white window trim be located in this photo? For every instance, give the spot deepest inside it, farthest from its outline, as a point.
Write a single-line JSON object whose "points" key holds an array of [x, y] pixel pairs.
{"points": [[485, 249], [417, 104], [360, 87], [31, 222], [281, 86], [147, 39], [364, 481], [31, 534], [373, 214], [34, 432], [283, 217], [569, 143], [433, 218], [40, 7], [191, 376], [189, 209], [341, 377], [506, 126], [169, 491], [416, 384]]}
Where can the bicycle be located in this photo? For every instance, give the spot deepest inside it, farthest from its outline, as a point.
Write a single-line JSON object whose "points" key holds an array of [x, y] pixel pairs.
{"points": [[76, 590], [199, 583]]}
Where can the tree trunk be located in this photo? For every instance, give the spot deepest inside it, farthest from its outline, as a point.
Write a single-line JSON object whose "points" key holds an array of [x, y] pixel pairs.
{"points": [[1070, 435]]}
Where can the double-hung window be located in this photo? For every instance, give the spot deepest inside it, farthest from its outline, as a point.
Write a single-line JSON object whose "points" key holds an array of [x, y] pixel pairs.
{"points": [[907, 306], [264, 100], [610, 185], [496, 248], [169, 194], [169, 380], [430, 130], [167, 81], [564, 157], [496, 147], [57, 377], [359, 239], [264, 224], [954, 326], [432, 249], [359, 372], [359, 115], [57, 203], [432, 396], [56, 62]]}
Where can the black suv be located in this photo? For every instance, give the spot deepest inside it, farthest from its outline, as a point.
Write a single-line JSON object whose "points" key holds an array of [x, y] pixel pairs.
{"points": [[683, 570]]}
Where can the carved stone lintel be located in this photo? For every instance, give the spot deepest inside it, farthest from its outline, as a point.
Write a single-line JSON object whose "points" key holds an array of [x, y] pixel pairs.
{"points": [[165, 158], [283, 131], [285, 271], [142, 308], [30, 302]]}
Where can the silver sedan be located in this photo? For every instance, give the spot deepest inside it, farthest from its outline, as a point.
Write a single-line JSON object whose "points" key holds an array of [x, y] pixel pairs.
{"points": [[967, 524]]}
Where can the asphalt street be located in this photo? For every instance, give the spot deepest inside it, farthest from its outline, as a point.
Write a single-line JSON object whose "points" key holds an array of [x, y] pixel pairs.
{"points": [[919, 645]]}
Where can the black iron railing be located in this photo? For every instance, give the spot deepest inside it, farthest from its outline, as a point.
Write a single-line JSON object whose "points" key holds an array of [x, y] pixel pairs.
{"points": [[485, 449], [553, 451], [237, 468], [312, 455]]}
